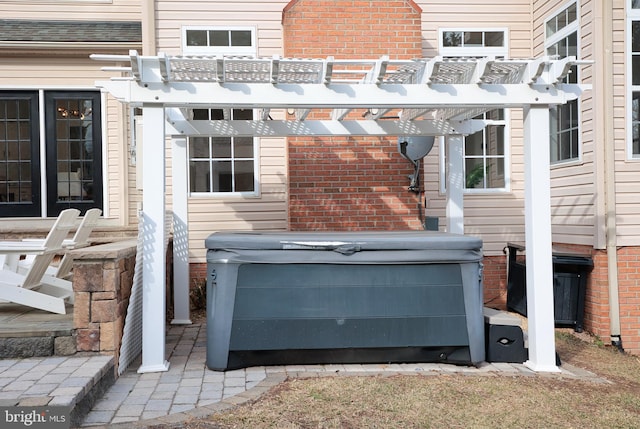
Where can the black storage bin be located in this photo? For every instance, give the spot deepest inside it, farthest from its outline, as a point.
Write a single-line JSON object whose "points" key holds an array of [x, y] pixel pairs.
{"points": [[570, 272]]}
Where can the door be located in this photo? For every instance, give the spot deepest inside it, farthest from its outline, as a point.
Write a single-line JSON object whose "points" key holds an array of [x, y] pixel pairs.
{"points": [[74, 151], [20, 192]]}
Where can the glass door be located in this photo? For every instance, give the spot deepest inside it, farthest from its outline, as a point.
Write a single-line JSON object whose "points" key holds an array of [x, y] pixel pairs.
{"points": [[19, 154], [74, 161]]}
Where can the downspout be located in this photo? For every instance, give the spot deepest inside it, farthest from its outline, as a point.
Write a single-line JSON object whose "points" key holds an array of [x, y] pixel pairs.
{"points": [[148, 27], [609, 164]]}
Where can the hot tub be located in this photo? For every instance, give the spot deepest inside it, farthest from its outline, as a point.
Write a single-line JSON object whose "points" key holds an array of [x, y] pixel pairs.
{"points": [[343, 297]]}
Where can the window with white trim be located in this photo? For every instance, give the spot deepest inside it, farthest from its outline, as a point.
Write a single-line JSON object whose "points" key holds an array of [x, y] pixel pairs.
{"points": [[458, 42], [218, 40], [633, 79], [222, 164], [485, 152], [561, 40]]}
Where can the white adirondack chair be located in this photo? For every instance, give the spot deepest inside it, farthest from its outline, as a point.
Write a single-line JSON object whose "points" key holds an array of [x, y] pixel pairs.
{"points": [[80, 239], [33, 288]]}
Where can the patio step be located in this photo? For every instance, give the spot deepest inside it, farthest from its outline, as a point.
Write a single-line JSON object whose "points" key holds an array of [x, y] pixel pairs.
{"points": [[27, 332]]}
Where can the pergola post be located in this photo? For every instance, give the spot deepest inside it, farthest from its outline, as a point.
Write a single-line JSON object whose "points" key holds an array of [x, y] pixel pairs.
{"points": [[153, 239], [455, 184], [537, 204], [180, 232]]}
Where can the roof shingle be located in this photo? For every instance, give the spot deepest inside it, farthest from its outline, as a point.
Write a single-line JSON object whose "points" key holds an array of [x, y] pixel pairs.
{"points": [[12, 30]]}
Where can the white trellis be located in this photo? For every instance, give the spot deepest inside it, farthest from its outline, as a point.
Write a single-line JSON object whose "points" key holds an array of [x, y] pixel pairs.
{"points": [[435, 96]]}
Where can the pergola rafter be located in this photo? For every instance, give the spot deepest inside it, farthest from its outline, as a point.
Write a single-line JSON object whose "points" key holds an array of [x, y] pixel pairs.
{"points": [[338, 97]]}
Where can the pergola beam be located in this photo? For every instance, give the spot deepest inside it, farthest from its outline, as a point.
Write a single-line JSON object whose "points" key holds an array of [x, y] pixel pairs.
{"points": [[339, 96], [280, 128]]}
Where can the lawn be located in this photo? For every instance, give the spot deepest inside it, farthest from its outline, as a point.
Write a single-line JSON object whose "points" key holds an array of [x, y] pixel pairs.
{"points": [[454, 400]]}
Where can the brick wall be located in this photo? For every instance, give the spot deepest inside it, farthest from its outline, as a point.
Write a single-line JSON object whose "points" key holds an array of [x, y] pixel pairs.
{"points": [[596, 320], [355, 183], [494, 275], [596, 317], [629, 294]]}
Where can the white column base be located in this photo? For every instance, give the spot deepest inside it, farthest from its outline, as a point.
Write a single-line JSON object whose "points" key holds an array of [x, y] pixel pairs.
{"points": [[154, 368]]}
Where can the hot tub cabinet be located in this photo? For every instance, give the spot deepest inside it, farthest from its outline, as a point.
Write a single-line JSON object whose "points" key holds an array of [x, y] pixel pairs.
{"points": [[343, 297]]}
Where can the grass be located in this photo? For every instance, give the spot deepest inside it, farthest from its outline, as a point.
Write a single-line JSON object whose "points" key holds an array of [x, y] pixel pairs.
{"points": [[454, 400]]}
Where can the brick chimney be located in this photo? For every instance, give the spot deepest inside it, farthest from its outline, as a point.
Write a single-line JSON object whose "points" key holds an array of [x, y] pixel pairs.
{"points": [[350, 183]]}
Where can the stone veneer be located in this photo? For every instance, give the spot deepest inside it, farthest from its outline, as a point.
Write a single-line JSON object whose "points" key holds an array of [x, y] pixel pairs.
{"points": [[102, 281]]}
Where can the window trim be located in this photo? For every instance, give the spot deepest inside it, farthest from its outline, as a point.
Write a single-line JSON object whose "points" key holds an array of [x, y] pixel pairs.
{"points": [[631, 16], [218, 50], [559, 35]]}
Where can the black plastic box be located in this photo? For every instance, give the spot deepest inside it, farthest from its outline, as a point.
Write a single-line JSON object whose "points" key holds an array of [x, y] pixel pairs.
{"points": [[570, 273]]}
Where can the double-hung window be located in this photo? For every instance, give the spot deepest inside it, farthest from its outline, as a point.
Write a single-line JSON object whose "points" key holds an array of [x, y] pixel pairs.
{"points": [[221, 165], [633, 81], [485, 152], [561, 40]]}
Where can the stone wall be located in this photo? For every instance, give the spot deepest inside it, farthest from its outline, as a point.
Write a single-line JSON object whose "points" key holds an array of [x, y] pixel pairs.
{"points": [[102, 281]]}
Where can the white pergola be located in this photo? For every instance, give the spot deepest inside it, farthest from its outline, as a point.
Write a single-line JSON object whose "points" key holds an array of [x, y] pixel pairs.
{"points": [[435, 97]]}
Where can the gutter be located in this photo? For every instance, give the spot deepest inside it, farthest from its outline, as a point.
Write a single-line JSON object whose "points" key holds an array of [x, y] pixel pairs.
{"points": [[610, 169], [149, 27]]}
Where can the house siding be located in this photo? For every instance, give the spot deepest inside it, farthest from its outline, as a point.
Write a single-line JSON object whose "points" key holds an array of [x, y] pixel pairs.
{"points": [[77, 73], [268, 211], [496, 217], [574, 204], [67, 69], [265, 16], [116, 10]]}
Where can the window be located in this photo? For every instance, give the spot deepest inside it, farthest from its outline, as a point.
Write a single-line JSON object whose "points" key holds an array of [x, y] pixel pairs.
{"points": [[485, 152], [561, 40], [72, 165], [222, 164], [456, 43], [633, 27], [218, 41]]}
